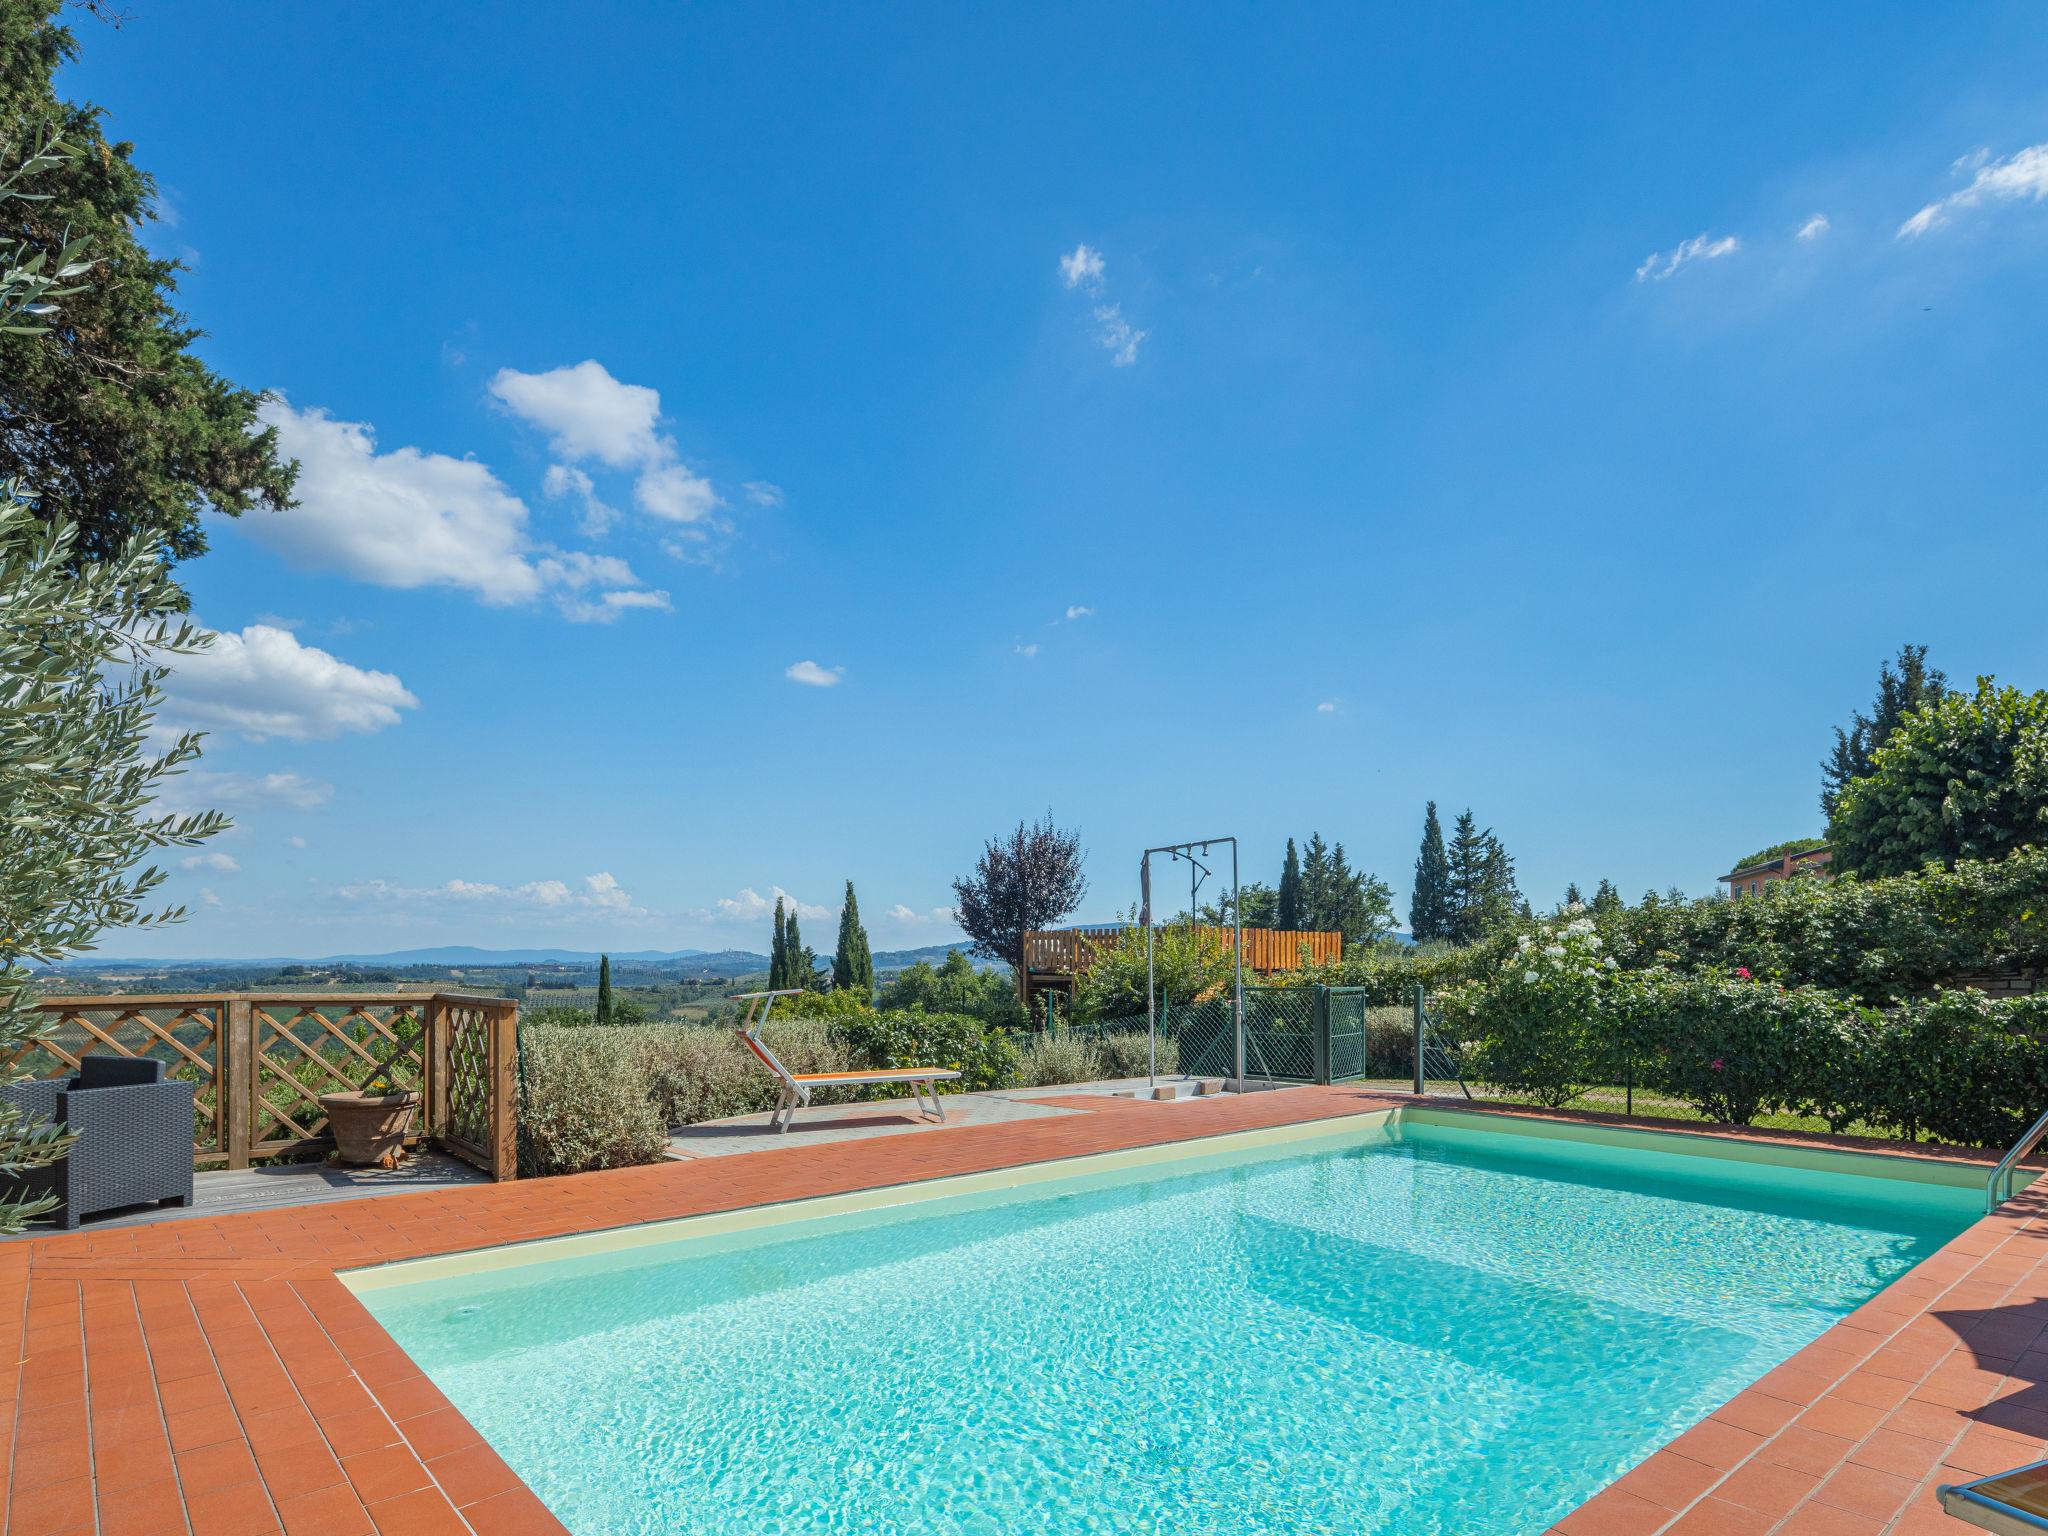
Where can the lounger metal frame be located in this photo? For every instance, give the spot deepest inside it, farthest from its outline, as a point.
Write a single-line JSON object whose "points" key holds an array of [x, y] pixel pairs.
{"points": [[796, 1089]]}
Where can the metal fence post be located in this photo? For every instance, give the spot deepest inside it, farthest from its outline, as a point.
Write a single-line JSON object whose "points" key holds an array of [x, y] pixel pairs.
{"points": [[1421, 1040], [1322, 1035]]}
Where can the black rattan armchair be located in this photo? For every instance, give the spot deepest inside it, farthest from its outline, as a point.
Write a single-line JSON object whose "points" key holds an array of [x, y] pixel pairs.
{"points": [[134, 1132]]}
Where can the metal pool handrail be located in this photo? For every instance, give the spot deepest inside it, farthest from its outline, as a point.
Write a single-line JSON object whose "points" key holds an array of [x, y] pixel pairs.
{"points": [[1998, 1188]]}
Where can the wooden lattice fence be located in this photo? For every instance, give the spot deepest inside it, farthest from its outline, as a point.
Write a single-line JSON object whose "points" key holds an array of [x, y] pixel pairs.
{"points": [[260, 1062]]}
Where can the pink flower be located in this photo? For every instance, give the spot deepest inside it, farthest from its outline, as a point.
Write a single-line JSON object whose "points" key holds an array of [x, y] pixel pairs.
{"points": [[1743, 972], [1716, 1063]]}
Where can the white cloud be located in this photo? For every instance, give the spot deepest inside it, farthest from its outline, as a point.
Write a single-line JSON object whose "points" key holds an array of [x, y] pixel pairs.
{"points": [[750, 906], [1814, 227], [295, 842], [574, 572], [937, 917], [763, 493], [599, 893], [264, 682], [1661, 264], [245, 790], [223, 862], [1118, 335], [812, 675], [587, 413], [591, 417], [563, 482], [1027, 650], [400, 519], [675, 494], [2018, 177], [607, 606], [208, 897], [1078, 612], [1083, 264], [410, 519], [1327, 707]]}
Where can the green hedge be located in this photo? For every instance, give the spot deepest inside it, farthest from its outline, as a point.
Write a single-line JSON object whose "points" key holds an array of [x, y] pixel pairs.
{"points": [[1877, 940], [1954, 1066]]}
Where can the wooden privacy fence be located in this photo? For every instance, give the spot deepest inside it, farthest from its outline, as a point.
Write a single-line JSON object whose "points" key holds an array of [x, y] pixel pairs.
{"points": [[1070, 951], [262, 1060]]}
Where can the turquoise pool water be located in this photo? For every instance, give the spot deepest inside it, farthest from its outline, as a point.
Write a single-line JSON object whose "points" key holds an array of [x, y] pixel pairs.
{"points": [[1448, 1331]]}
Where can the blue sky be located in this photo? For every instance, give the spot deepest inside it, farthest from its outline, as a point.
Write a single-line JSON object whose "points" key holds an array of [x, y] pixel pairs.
{"points": [[1193, 419]]}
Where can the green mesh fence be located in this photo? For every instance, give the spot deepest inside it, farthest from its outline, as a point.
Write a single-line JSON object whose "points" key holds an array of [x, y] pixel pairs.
{"points": [[1291, 1034]]}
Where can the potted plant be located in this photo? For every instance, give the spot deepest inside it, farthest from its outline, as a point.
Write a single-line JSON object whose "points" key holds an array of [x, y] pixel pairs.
{"points": [[369, 1124]]}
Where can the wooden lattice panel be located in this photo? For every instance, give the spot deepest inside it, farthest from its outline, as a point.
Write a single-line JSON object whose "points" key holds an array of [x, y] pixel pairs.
{"points": [[309, 1049], [183, 1034], [469, 1075]]}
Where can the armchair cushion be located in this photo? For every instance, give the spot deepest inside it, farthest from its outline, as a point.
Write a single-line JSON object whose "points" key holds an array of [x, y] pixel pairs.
{"points": [[117, 1071]]}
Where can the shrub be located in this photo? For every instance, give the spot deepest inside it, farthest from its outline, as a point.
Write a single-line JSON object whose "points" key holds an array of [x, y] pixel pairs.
{"points": [[556, 1016], [1733, 1047], [1061, 1056], [693, 1073], [910, 1037], [1533, 1027], [956, 986], [1186, 964], [1961, 1067], [583, 1104], [1127, 1053]]}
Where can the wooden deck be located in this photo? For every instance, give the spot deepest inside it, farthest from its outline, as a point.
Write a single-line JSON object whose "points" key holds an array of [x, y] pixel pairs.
{"points": [[233, 1191]]}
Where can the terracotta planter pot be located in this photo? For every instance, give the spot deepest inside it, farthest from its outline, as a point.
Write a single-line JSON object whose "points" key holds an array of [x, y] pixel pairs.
{"points": [[369, 1127]]}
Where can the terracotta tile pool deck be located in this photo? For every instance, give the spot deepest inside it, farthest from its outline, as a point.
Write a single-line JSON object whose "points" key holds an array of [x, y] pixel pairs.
{"points": [[213, 1377]]}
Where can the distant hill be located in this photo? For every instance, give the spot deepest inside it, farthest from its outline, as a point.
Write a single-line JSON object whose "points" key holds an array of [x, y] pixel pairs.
{"points": [[693, 962], [448, 955], [903, 959]]}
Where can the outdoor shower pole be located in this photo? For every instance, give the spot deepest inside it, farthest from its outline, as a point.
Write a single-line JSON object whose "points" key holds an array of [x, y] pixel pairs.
{"points": [[1151, 1020], [1237, 980]]}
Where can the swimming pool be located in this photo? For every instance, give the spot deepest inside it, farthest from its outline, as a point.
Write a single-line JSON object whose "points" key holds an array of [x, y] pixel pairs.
{"points": [[1421, 1323]]}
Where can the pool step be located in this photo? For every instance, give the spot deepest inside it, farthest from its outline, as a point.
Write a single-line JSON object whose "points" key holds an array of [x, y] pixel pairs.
{"points": [[1201, 1089]]}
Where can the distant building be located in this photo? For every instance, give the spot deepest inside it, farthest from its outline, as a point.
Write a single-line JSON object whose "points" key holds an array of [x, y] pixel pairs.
{"points": [[1753, 877]]}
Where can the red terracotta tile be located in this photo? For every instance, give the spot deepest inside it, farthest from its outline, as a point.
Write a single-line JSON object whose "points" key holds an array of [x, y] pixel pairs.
{"points": [[519, 1513], [471, 1475], [1866, 1491], [425, 1513], [1718, 1445], [242, 1510], [333, 1511], [1768, 1487], [1828, 1520], [146, 1509], [1808, 1449], [386, 1473], [1717, 1517]]}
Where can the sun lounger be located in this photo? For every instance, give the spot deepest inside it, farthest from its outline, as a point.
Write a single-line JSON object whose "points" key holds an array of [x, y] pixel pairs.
{"points": [[2012, 1503], [796, 1086]]}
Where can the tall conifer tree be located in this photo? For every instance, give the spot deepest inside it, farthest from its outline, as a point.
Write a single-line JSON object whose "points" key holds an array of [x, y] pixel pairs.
{"points": [[778, 952], [604, 989], [853, 963], [1287, 915], [1429, 907]]}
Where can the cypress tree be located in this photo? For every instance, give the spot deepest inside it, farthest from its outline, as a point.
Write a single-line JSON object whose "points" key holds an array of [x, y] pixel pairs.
{"points": [[1287, 915], [1429, 907], [796, 960], [853, 963], [604, 989], [778, 952], [1315, 884]]}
